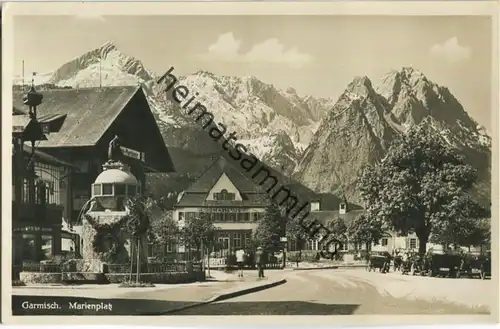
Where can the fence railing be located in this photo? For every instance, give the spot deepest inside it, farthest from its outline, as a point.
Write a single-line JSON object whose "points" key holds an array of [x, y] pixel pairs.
{"points": [[42, 268], [166, 267], [111, 268]]}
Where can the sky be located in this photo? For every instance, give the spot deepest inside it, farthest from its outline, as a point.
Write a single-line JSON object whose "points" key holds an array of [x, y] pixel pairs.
{"points": [[316, 55]]}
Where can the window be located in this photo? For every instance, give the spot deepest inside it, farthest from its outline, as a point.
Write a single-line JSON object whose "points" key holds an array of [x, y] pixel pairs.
{"points": [[342, 206], [224, 195], [248, 239], [312, 245], [344, 246], [237, 240], [119, 189], [231, 217], [131, 190], [385, 242], [107, 189], [181, 215], [255, 216], [97, 189], [170, 247], [413, 243]]}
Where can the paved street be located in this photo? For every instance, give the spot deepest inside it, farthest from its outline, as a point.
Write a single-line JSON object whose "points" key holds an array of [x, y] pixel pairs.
{"points": [[307, 292], [131, 301], [356, 291]]}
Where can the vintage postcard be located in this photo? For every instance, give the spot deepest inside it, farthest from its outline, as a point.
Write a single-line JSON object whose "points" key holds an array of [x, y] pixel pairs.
{"points": [[234, 159]]}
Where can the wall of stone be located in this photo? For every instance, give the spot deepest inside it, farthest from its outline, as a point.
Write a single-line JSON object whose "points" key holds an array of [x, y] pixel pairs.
{"points": [[33, 278], [30, 278], [158, 278]]}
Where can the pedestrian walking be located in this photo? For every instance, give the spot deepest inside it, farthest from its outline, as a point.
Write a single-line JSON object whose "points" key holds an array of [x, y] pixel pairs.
{"points": [[260, 262], [240, 260]]}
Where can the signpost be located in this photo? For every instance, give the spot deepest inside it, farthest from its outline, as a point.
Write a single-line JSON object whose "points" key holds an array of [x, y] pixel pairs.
{"points": [[131, 153], [285, 243]]}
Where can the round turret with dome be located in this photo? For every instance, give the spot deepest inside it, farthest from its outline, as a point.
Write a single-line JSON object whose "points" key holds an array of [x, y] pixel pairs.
{"points": [[106, 212]]}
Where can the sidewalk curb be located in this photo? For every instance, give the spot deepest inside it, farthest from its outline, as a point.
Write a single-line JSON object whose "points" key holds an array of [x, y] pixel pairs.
{"points": [[328, 267], [220, 297]]}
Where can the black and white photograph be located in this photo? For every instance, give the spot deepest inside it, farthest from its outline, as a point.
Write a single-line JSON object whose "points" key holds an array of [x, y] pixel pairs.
{"points": [[250, 164]]}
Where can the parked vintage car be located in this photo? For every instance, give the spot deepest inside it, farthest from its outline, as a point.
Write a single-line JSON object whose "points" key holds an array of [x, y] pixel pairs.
{"points": [[381, 262], [444, 264], [470, 266]]}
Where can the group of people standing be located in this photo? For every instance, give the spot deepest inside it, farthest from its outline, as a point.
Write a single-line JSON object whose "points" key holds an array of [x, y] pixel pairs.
{"points": [[260, 261]]}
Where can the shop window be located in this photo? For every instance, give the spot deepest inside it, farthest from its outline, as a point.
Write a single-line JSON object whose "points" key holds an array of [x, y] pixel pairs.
{"points": [[413, 243], [237, 240]]}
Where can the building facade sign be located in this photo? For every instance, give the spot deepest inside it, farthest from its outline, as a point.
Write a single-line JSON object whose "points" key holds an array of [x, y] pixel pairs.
{"points": [[224, 210]]}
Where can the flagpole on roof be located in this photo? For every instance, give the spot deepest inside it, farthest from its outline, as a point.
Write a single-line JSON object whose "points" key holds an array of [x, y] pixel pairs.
{"points": [[23, 87]]}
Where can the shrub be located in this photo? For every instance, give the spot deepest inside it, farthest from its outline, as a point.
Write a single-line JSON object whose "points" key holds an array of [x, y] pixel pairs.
{"points": [[133, 284], [18, 283], [293, 256], [69, 266], [310, 256]]}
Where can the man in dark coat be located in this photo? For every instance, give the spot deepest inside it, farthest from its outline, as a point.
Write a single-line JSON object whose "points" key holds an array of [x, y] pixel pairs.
{"points": [[260, 261]]}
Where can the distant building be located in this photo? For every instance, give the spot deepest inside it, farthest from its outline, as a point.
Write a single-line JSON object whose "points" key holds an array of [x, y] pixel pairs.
{"points": [[390, 240], [235, 202]]}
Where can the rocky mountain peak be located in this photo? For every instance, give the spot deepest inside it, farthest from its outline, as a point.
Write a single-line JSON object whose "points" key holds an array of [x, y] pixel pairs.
{"points": [[104, 65], [365, 121], [107, 47], [360, 86]]}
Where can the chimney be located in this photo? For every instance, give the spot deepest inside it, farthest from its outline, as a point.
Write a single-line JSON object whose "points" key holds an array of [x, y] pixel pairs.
{"points": [[315, 206]]}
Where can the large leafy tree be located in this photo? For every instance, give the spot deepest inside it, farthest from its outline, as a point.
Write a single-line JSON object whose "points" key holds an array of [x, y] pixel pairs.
{"points": [[163, 229], [338, 229], [296, 232], [418, 186], [199, 231], [363, 229], [270, 228], [464, 230]]}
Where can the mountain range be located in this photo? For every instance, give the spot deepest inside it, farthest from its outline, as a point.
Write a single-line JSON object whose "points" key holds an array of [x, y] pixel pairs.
{"points": [[321, 143]]}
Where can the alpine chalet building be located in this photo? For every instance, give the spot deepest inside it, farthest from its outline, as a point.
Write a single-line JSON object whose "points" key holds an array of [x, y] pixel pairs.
{"points": [[235, 202]]}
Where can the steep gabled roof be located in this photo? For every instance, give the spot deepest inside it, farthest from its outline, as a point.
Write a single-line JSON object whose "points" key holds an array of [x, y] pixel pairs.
{"points": [[196, 194], [208, 179], [324, 216], [90, 111]]}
